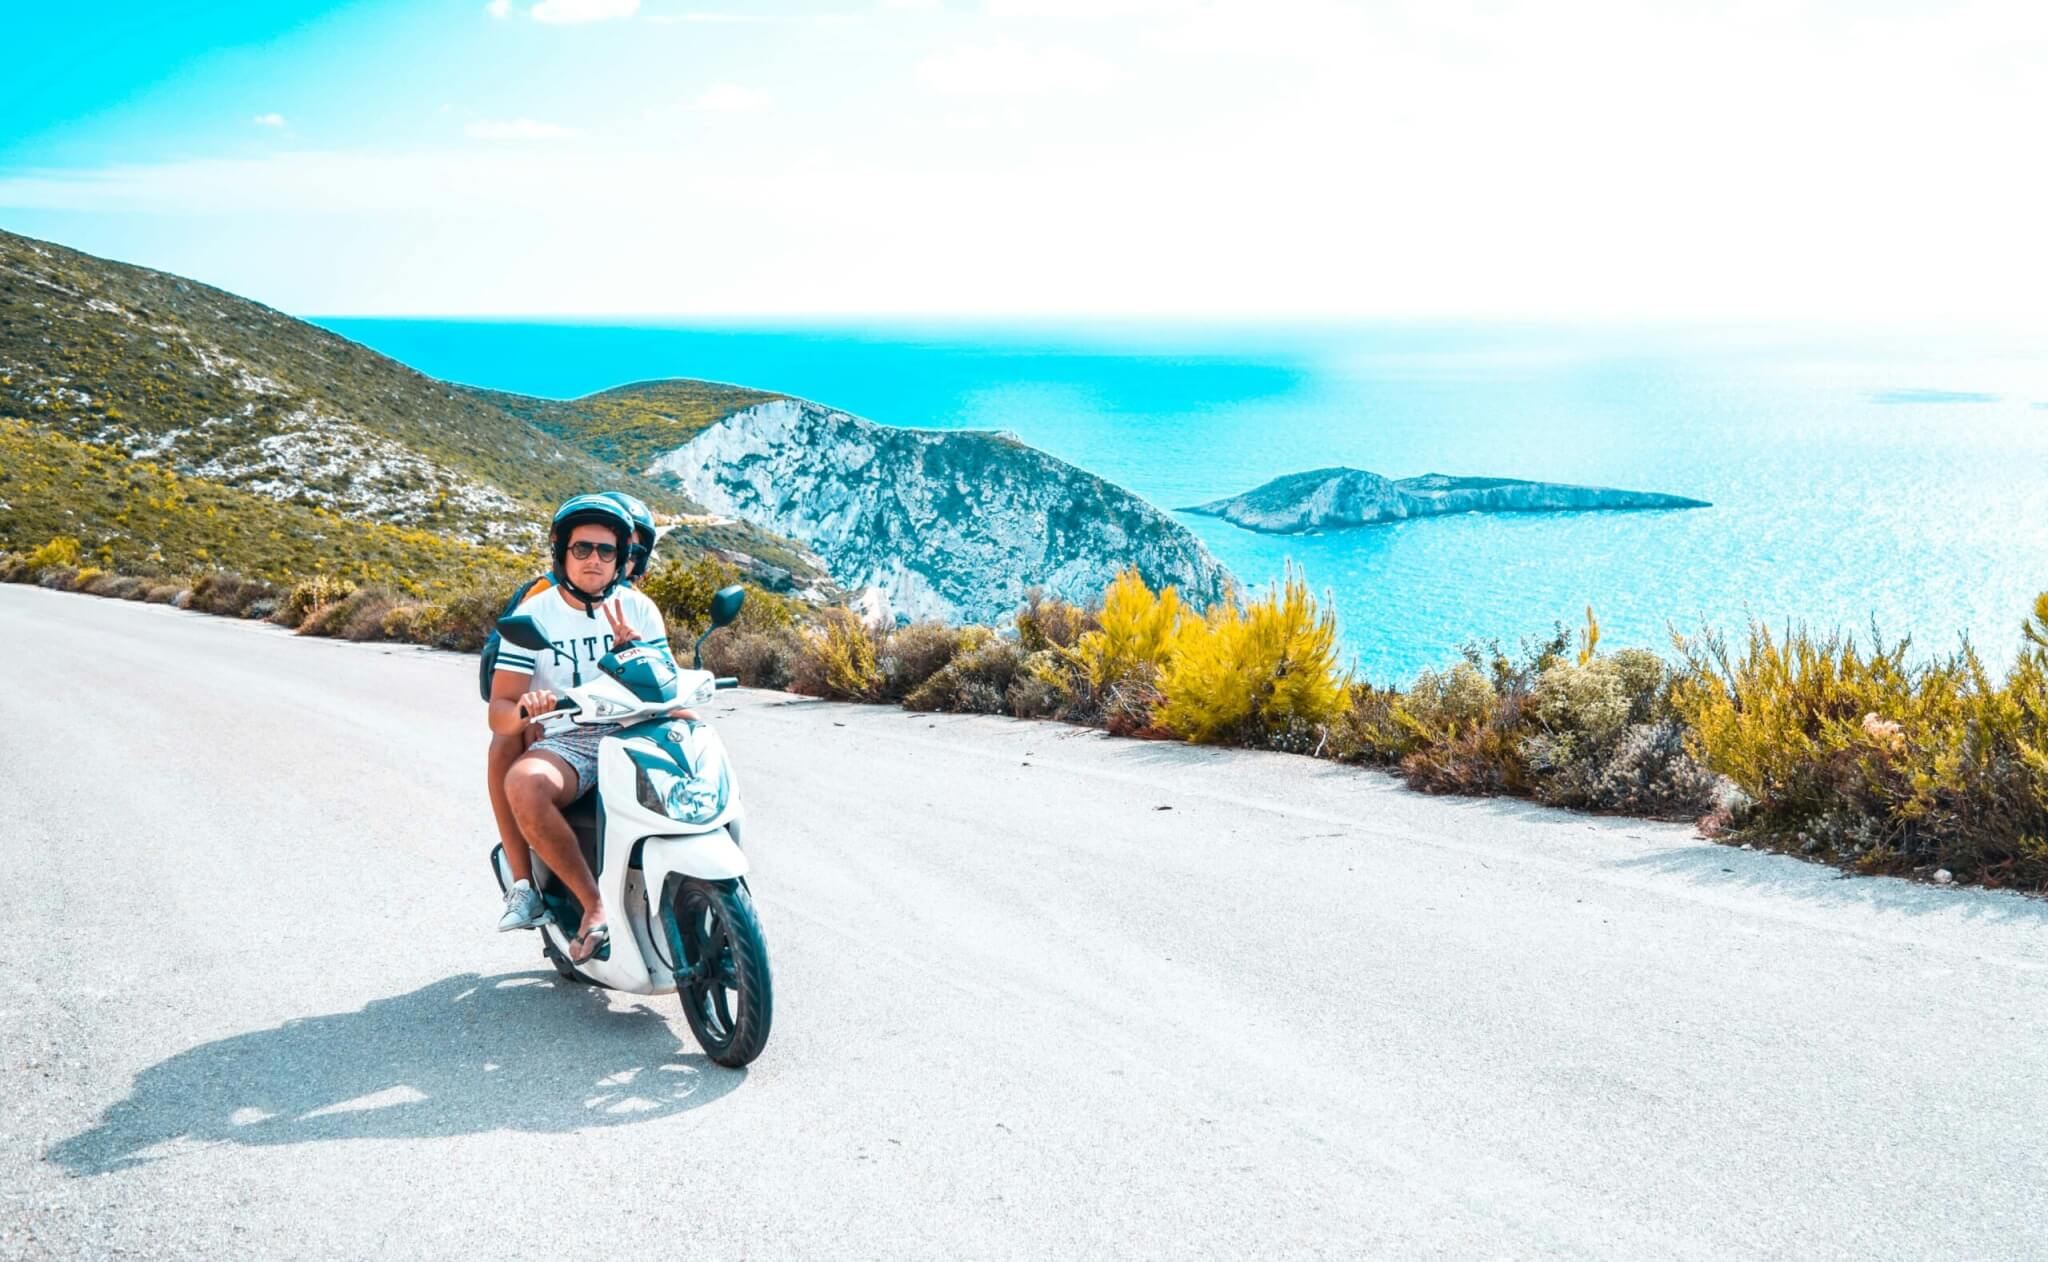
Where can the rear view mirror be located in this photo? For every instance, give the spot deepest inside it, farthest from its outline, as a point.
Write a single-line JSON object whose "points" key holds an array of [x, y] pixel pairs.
{"points": [[725, 605], [523, 631]]}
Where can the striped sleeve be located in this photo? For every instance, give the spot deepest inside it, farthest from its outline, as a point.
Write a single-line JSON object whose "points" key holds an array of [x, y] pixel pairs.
{"points": [[518, 661]]}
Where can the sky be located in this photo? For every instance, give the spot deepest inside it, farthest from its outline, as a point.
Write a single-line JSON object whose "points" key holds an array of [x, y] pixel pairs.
{"points": [[1236, 159]]}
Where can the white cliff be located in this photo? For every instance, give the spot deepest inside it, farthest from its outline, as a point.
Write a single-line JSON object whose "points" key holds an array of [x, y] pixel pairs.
{"points": [[934, 523]]}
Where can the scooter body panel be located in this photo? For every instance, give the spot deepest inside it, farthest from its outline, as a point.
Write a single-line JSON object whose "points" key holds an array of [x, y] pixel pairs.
{"points": [[711, 856], [638, 962]]}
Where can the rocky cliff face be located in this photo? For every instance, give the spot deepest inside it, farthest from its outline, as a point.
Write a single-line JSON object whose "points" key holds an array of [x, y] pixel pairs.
{"points": [[1336, 499], [931, 523]]}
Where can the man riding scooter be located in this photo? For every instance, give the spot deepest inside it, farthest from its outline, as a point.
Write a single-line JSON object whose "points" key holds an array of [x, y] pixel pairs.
{"points": [[506, 748], [592, 538]]}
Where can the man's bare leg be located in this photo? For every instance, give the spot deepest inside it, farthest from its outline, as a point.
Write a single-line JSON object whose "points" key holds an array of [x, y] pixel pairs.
{"points": [[505, 750], [538, 787]]}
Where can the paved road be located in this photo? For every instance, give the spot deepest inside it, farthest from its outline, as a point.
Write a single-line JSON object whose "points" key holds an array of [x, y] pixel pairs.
{"points": [[1039, 993]]}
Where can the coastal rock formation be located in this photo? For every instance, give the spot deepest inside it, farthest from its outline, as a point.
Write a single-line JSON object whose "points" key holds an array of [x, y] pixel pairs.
{"points": [[1340, 498], [934, 523]]}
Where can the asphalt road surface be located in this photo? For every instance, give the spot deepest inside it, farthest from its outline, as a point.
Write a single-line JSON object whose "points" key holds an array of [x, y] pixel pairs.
{"points": [[1039, 993]]}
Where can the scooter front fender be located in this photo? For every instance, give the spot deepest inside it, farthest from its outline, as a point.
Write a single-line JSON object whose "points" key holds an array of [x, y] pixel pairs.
{"points": [[712, 856]]}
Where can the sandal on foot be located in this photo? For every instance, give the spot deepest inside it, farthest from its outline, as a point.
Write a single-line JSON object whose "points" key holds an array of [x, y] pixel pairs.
{"points": [[592, 944]]}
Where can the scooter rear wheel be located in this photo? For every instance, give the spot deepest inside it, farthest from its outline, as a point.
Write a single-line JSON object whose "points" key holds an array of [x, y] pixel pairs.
{"points": [[722, 977]]}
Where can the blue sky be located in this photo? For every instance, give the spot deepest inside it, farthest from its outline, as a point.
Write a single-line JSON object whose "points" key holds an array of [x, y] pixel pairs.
{"points": [[1227, 158]]}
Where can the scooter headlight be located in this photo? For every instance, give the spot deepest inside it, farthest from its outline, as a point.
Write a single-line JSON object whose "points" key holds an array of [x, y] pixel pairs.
{"points": [[687, 798]]}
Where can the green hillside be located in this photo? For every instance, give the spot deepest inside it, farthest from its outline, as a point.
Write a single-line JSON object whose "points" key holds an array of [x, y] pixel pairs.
{"points": [[226, 393], [631, 425], [137, 517]]}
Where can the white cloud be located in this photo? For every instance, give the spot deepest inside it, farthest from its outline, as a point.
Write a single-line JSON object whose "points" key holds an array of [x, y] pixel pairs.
{"points": [[1293, 157], [269, 120], [500, 9], [1092, 9], [517, 129], [570, 12], [1016, 70], [701, 18], [730, 98]]}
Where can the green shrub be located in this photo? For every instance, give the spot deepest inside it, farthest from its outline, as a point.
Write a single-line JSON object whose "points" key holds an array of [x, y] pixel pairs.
{"points": [[359, 614], [1647, 773], [682, 590], [229, 595], [308, 597], [838, 659], [977, 681], [1369, 729], [408, 624], [1874, 758], [367, 612], [1442, 704], [1047, 622], [1479, 762], [757, 658], [1051, 683], [913, 654], [465, 618], [1590, 701]]}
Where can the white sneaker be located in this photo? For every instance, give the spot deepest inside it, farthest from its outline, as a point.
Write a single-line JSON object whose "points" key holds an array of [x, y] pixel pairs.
{"points": [[523, 908]]}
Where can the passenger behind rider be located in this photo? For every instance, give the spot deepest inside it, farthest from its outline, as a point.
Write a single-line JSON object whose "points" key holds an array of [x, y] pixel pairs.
{"points": [[592, 540]]}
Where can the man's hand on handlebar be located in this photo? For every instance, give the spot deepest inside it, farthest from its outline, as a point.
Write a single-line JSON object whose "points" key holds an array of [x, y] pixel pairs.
{"points": [[535, 706]]}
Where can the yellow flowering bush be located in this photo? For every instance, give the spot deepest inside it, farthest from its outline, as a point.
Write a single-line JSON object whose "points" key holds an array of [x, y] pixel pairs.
{"points": [[1255, 676]]}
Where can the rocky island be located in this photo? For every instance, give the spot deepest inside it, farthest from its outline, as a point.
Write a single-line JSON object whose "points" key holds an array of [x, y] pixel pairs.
{"points": [[1340, 498]]}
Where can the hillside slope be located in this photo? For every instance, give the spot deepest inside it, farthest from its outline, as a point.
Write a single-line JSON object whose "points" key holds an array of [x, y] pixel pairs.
{"points": [[220, 389], [138, 517]]}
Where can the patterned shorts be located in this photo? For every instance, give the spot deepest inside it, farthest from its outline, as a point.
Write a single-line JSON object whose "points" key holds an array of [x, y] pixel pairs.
{"points": [[577, 746]]}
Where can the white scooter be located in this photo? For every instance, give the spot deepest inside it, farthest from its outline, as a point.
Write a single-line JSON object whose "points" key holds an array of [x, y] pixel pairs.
{"points": [[661, 834]]}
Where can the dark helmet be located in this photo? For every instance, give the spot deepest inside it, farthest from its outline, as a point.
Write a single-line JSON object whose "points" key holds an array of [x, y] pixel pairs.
{"points": [[644, 536], [599, 510]]}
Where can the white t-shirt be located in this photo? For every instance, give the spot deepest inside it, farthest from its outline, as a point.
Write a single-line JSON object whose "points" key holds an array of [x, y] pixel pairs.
{"points": [[580, 641]]}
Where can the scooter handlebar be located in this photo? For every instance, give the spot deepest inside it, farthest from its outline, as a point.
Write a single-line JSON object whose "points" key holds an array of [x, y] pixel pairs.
{"points": [[726, 681], [565, 705]]}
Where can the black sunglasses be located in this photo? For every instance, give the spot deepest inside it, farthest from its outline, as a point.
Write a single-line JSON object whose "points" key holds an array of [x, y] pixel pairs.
{"points": [[582, 549]]}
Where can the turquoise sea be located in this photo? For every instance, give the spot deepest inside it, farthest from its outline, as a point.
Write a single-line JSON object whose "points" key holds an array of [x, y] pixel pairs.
{"points": [[1898, 477]]}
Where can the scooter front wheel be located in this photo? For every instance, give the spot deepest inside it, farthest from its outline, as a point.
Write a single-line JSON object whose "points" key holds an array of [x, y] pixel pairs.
{"points": [[722, 969]]}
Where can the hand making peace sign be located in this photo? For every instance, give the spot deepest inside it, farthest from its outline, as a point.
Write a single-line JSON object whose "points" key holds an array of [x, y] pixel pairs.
{"points": [[622, 633]]}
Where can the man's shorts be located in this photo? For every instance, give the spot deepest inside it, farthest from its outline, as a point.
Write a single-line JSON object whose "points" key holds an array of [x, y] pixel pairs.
{"points": [[577, 746]]}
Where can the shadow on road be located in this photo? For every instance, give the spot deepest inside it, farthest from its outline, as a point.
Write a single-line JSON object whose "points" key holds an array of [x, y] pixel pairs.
{"points": [[520, 1051]]}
